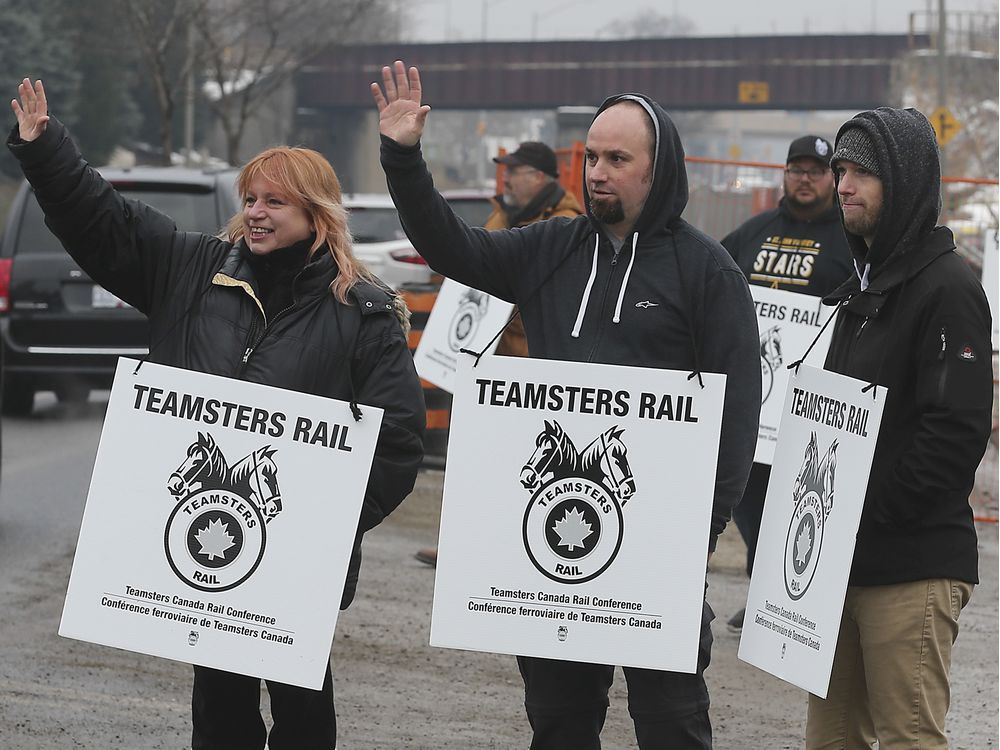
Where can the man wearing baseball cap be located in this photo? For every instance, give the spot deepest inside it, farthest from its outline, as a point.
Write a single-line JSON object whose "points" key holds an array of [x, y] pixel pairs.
{"points": [[915, 321], [799, 246], [531, 189], [531, 192]]}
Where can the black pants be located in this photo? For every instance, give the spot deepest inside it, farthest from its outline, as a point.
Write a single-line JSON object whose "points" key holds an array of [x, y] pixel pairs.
{"points": [[748, 513], [567, 702], [225, 710]]}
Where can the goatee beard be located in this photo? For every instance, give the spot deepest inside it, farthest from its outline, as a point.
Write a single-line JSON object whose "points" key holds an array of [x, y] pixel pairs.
{"points": [[608, 212]]}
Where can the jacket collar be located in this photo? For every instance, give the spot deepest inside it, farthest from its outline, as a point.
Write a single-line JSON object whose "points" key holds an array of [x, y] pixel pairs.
{"points": [[315, 278], [892, 274]]}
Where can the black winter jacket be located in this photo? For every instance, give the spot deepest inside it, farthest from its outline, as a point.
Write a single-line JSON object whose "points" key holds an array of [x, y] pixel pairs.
{"points": [[201, 299], [582, 301], [922, 330], [776, 249]]}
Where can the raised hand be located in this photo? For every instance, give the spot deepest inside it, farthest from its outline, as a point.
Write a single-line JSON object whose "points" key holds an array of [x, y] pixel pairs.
{"points": [[33, 110], [401, 116]]}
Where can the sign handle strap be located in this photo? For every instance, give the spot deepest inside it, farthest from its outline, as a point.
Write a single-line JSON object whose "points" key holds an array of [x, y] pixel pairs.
{"points": [[479, 355], [800, 360]]}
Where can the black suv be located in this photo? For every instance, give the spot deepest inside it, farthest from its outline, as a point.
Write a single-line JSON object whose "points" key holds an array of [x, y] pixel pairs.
{"points": [[59, 330]]}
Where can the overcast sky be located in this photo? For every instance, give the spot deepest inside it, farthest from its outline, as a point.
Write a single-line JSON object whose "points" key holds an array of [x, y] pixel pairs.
{"points": [[462, 20]]}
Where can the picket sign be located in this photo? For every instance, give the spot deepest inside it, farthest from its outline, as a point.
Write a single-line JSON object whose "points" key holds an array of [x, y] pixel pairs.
{"points": [[219, 523], [462, 318], [576, 512], [788, 323], [827, 437]]}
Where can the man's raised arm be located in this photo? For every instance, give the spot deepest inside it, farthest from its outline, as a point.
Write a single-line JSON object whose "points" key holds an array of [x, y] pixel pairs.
{"points": [[489, 261]]}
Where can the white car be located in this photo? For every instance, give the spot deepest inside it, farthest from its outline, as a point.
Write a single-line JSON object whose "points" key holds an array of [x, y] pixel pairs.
{"points": [[380, 243]]}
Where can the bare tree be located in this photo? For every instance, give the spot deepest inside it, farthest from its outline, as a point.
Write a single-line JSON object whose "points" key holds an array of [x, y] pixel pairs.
{"points": [[160, 32], [252, 48]]}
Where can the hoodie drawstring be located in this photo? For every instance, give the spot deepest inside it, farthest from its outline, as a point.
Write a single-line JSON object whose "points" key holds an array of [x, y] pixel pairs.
{"points": [[586, 292], [628, 272]]}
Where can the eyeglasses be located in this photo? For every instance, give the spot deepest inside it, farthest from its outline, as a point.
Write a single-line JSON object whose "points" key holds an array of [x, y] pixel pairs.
{"points": [[814, 173]]}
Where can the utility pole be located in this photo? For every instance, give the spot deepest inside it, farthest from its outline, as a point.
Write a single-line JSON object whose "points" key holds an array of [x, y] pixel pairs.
{"points": [[942, 66]]}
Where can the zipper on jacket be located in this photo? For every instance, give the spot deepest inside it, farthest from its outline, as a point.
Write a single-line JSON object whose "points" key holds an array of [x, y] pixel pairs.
{"points": [[250, 349], [251, 343], [944, 345], [604, 299]]}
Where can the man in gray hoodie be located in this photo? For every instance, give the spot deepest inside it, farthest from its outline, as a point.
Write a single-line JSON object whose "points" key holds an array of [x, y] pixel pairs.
{"points": [[630, 283], [914, 320]]}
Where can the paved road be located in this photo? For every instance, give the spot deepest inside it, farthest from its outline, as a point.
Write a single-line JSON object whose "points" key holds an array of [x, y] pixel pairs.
{"points": [[393, 690]]}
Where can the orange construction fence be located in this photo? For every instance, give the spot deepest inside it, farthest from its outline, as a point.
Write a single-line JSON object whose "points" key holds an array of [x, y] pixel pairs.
{"points": [[723, 193]]}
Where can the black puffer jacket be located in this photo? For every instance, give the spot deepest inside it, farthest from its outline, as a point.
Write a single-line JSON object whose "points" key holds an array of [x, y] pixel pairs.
{"points": [[671, 298], [922, 330], [201, 299]]}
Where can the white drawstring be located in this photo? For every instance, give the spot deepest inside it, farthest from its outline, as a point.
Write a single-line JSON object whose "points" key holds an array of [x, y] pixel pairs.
{"points": [[586, 292], [628, 271], [863, 276]]}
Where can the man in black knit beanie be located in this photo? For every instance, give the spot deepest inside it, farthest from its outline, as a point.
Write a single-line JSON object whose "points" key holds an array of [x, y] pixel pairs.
{"points": [[915, 321]]}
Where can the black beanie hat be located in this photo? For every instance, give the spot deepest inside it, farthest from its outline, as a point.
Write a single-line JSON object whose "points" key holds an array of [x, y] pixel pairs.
{"points": [[856, 145]]}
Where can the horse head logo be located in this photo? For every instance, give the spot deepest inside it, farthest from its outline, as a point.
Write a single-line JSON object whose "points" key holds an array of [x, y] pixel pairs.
{"points": [[605, 460], [817, 475], [770, 359], [554, 454], [256, 477], [770, 347], [204, 463]]}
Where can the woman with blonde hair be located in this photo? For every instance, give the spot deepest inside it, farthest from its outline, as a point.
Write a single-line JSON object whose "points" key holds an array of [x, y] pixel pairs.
{"points": [[278, 299]]}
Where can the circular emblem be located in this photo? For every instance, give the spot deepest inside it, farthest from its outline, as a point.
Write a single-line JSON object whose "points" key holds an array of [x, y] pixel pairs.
{"points": [[464, 325], [766, 379], [572, 529], [803, 544], [821, 148], [214, 540]]}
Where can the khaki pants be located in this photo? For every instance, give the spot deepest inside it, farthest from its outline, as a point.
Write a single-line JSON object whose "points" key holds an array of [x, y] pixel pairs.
{"points": [[890, 670]]}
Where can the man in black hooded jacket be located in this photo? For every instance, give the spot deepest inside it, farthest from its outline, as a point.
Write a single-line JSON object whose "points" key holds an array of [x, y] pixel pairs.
{"points": [[798, 246], [630, 283], [915, 321]]}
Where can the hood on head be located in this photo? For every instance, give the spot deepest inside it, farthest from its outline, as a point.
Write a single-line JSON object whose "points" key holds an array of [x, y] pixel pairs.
{"points": [[910, 169], [668, 193]]}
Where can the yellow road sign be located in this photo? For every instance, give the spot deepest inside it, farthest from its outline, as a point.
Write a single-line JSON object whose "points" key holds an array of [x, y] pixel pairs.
{"points": [[945, 125], [754, 92]]}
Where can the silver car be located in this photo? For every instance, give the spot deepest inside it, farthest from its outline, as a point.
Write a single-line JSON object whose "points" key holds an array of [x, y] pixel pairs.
{"points": [[380, 243]]}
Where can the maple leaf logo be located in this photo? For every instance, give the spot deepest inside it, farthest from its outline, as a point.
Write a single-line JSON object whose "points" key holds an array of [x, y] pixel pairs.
{"points": [[572, 529], [803, 546], [215, 539]]}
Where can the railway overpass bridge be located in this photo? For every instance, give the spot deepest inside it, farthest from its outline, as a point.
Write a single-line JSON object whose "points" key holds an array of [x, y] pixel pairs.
{"points": [[335, 114]]}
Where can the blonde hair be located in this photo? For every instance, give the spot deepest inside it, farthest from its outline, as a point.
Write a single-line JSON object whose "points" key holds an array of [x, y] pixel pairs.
{"points": [[309, 181]]}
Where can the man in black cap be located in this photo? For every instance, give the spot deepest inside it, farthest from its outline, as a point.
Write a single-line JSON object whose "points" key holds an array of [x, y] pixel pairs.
{"points": [[798, 246], [915, 321], [531, 192]]}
